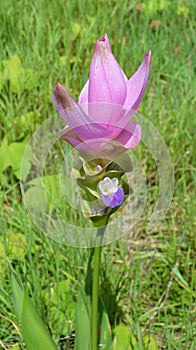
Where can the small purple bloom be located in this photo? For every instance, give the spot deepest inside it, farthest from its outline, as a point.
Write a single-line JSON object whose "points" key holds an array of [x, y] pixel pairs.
{"points": [[115, 199], [112, 195]]}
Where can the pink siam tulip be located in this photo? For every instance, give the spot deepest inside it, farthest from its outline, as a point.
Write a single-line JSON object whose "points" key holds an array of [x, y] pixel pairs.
{"points": [[99, 126], [99, 123]]}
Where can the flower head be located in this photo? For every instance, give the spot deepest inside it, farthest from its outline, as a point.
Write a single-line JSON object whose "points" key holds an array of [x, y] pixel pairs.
{"points": [[106, 104], [99, 127]]}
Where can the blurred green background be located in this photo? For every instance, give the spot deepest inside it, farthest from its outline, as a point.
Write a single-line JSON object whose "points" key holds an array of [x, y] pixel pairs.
{"points": [[41, 43]]}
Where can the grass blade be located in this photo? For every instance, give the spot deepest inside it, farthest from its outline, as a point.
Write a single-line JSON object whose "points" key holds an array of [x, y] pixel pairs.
{"points": [[34, 332]]}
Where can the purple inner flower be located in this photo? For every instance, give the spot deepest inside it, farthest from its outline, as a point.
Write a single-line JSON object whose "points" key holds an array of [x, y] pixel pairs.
{"points": [[112, 195], [115, 199]]}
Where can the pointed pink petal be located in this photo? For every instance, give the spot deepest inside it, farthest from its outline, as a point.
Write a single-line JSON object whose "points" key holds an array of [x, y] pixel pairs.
{"points": [[136, 85], [62, 98], [106, 81], [75, 116], [130, 137], [90, 149], [69, 135], [107, 114], [87, 149], [83, 98], [102, 148]]}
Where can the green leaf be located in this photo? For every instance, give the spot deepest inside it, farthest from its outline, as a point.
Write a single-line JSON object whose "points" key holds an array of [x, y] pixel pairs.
{"points": [[83, 320], [105, 340], [16, 347], [18, 295], [15, 245], [152, 7], [62, 293], [19, 77], [63, 306], [49, 192], [34, 198], [23, 124], [99, 220], [11, 156], [34, 332], [4, 163], [178, 275], [183, 10], [83, 316], [149, 343], [75, 30], [124, 339], [13, 72], [16, 151]]}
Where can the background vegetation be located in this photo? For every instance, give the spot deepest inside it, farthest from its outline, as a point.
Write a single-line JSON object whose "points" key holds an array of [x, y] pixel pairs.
{"points": [[148, 280]]}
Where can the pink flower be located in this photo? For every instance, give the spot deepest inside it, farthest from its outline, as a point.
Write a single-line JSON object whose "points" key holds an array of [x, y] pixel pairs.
{"points": [[99, 123]]}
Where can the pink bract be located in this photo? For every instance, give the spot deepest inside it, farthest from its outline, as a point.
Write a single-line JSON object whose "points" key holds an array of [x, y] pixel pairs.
{"points": [[108, 100]]}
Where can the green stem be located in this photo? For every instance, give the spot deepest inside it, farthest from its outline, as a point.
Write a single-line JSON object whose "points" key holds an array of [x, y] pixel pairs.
{"points": [[95, 289]]}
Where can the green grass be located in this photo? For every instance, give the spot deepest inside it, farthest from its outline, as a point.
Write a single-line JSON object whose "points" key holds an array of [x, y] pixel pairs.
{"points": [[148, 279]]}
